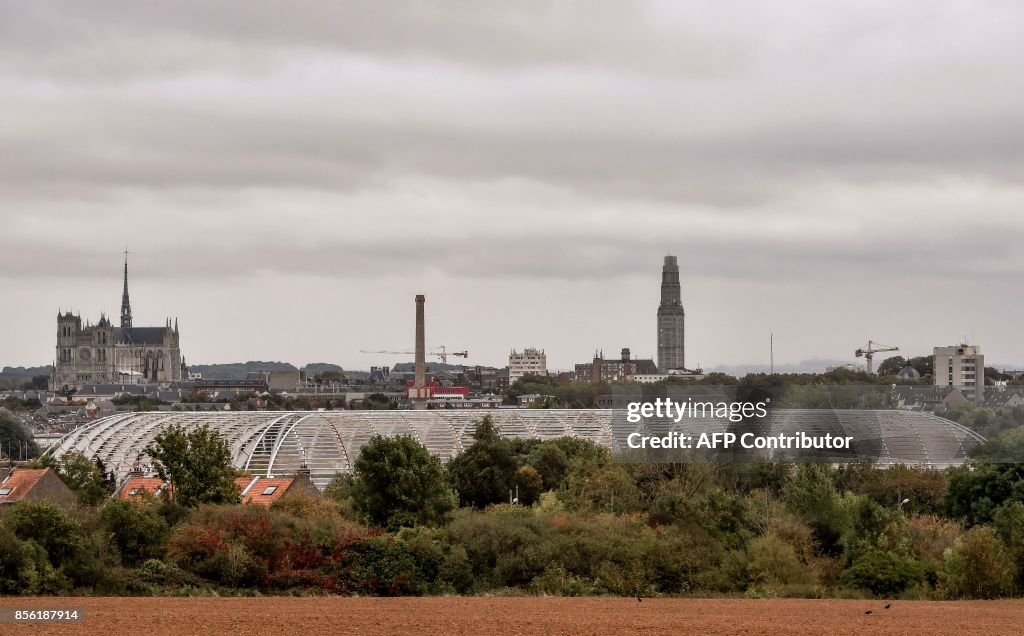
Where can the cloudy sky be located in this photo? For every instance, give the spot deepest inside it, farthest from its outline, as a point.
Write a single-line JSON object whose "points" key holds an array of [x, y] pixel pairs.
{"points": [[288, 175]]}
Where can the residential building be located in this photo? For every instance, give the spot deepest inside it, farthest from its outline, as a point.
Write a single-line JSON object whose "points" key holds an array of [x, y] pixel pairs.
{"points": [[962, 366], [615, 370], [36, 485], [264, 491], [529, 361]]}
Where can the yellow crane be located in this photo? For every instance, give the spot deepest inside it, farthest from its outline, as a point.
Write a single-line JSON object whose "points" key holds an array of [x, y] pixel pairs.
{"points": [[868, 353]]}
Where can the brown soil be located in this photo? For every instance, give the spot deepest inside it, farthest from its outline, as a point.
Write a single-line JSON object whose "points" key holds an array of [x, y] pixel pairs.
{"points": [[528, 616]]}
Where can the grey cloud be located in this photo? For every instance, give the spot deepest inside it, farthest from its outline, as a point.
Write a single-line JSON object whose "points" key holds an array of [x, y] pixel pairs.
{"points": [[502, 35], [532, 146]]}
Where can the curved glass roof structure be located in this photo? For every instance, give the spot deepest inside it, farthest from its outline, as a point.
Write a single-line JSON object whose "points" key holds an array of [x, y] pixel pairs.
{"points": [[278, 442]]}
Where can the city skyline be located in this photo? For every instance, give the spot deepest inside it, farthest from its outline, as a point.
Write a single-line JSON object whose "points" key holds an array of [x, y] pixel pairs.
{"points": [[286, 187]]}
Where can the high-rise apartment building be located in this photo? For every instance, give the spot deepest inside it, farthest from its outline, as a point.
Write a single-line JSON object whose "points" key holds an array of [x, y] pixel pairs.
{"points": [[528, 362], [961, 366]]}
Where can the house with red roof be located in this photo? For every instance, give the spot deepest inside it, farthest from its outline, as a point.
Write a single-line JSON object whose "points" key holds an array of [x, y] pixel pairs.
{"points": [[138, 485], [35, 485], [264, 491]]}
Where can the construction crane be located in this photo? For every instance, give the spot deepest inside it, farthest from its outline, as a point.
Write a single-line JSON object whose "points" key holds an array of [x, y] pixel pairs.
{"points": [[441, 352], [868, 353]]}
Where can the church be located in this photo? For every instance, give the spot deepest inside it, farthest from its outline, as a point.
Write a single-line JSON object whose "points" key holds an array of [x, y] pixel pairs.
{"points": [[105, 354]]}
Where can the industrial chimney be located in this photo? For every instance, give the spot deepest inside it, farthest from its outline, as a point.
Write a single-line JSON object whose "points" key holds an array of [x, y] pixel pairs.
{"points": [[421, 346], [419, 392]]}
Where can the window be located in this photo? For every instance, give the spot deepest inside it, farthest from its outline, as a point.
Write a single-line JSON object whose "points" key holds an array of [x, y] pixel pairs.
{"points": [[133, 491], [5, 491], [269, 490]]}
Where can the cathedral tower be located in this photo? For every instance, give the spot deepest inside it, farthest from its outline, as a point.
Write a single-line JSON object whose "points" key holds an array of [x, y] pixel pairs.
{"points": [[126, 305], [671, 319]]}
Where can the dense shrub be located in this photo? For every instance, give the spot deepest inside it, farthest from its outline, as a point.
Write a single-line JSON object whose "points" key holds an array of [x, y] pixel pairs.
{"points": [[61, 538], [25, 568], [883, 573], [773, 561], [138, 529], [978, 566], [252, 546], [380, 566], [1009, 526]]}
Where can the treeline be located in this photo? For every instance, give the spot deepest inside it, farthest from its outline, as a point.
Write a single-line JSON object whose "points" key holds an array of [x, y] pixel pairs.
{"points": [[580, 395], [405, 523]]}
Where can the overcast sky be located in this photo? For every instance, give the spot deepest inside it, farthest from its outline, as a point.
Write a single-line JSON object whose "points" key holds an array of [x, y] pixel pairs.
{"points": [[288, 176]]}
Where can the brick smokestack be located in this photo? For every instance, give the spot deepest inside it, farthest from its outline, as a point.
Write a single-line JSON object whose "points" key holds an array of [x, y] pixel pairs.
{"points": [[421, 346]]}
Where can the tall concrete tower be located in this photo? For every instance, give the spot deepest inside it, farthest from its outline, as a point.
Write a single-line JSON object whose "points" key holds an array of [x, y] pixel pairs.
{"points": [[421, 344], [671, 319], [419, 391]]}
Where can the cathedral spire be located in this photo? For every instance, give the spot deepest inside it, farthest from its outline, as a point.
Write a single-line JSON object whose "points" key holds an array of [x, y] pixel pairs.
{"points": [[126, 305]]}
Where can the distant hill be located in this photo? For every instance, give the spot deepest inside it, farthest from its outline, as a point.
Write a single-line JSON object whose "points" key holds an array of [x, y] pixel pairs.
{"points": [[320, 367], [814, 365], [432, 367], [25, 372], [24, 377], [239, 370]]}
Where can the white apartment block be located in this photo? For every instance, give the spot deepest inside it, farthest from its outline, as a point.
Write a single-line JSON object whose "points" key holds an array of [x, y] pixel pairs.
{"points": [[527, 362], [962, 366]]}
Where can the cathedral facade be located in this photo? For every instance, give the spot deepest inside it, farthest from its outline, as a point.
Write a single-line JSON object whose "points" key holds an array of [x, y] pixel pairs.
{"points": [[105, 354]]}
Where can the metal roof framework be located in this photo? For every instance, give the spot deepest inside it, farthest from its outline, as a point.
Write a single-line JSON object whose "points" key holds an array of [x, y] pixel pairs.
{"points": [[279, 442]]}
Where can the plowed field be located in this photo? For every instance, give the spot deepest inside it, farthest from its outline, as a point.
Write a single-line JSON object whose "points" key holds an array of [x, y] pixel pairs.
{"points": [[527, 616]]}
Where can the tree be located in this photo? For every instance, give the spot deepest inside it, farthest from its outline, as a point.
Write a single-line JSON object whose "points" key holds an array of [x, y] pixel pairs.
{"points": [[59, 535], [993, 375], [88, 478], [529, 485], [978, 566], [379, 402], [197, 463], [925, 365], [811, 495], [551, 462], [13, 436], [891, 366], [485, 472], [138, 530], [882, 572], [975, 492], [397, 482]]}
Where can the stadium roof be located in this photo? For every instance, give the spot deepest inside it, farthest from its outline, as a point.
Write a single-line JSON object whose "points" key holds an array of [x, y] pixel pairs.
{"points": [[277, 442]]}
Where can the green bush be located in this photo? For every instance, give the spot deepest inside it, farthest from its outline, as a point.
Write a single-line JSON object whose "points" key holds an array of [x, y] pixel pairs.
{"points": [[978, 566], [138, 530], [772, 561], [380, 566], [25, 568], [883, 573], [59, 536]]}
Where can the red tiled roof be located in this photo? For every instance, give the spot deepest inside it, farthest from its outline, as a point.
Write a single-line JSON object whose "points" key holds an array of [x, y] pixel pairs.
{"points": [[255, 490], [243, 482], [20, 483], [137, 485]]}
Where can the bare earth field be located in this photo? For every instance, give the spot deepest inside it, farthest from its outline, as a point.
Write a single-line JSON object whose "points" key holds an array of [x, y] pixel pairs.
{"points": [[489, 616]]}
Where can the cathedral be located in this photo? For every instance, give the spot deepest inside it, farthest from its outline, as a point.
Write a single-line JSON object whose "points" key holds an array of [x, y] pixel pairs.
{"points": [[105, 354]]}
